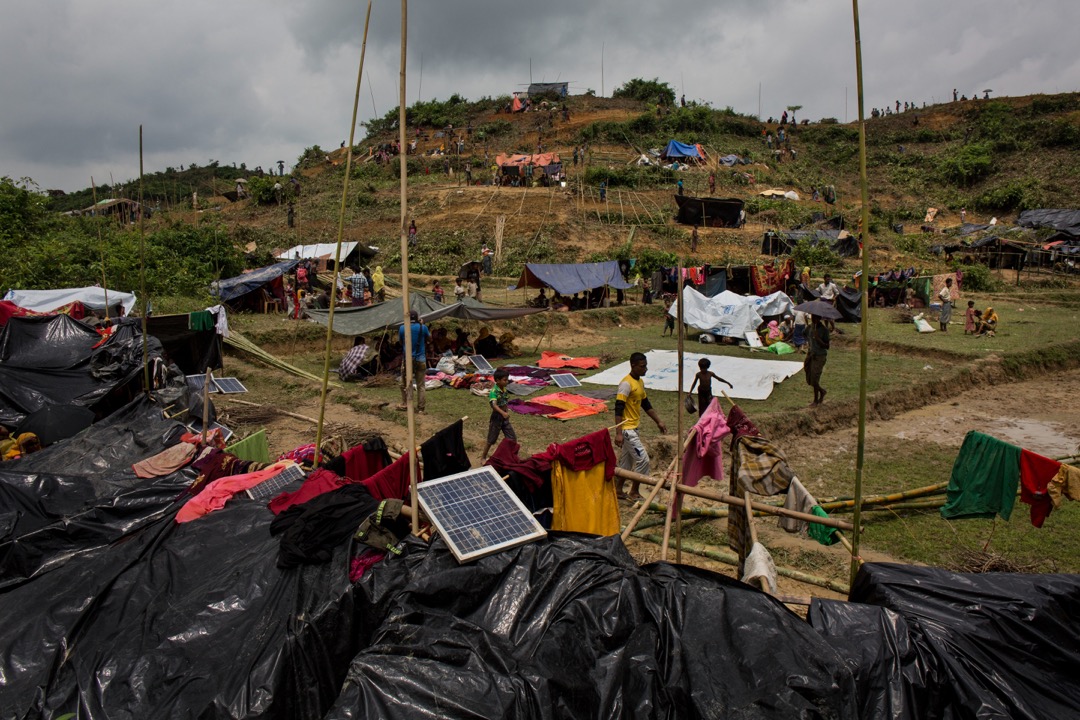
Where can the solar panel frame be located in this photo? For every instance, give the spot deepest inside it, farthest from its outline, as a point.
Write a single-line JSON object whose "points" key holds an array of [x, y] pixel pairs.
{"points": [[469, 506], [230, 385], [196, 382], [566, 380], [195, 426], [276, 485], [481, 363]]}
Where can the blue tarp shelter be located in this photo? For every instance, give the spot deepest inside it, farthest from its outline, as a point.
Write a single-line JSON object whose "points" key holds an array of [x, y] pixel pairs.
{"points": [[231, 289], [570, 278], [676, 150]]}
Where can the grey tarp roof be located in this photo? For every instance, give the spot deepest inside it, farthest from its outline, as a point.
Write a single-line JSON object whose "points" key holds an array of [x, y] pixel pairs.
{"points": [[571, 278], [360, 320], [232, 288], [1063, 220]]}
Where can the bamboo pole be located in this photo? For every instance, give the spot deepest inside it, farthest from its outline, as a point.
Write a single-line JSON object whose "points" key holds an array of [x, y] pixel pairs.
{"points": [[679, 425], [142, 278], [748, 508], [738, 501], [731, 559], [206, 404], [101, 243], [337, 249], [864, 240], [678, 411], [410, 410]]}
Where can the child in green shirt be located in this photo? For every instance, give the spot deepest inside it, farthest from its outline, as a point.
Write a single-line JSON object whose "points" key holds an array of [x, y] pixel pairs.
{"points": [[499, 399]]}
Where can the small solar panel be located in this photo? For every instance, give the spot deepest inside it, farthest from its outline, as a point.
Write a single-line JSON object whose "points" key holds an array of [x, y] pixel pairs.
{"points": [[196, 427], [196, 382], [477, 514], [277, 484], [481, 363], [230, 385], [566, 380]]}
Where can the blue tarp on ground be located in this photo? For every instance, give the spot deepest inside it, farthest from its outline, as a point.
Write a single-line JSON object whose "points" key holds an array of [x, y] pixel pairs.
{"points": [[232, 288], [676, 149], [573, 277]]}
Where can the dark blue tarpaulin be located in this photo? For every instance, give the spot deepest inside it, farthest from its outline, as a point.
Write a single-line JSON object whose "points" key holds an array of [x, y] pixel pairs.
{"points": [[233, 288], [573, 277], [676, 149], [1063, 220]]}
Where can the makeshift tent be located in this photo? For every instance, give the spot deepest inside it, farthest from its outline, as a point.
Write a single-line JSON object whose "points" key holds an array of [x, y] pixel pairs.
{"points": [[559, 89], [51, 360], [1064, 220], [44, 301], [250, 290], [351, 253], [752, 379], [712, 212], [371, 318], [727, 314], [848, 302], [676, 150], [544, 163], [191, 347], [567, 279]]}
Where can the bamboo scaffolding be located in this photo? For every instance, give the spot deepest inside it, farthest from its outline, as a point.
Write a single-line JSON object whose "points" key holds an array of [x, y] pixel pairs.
{"points": [[238, 341]]}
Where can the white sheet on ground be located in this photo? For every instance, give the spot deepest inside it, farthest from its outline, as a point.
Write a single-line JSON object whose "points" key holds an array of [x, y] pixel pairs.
{"points": [[48, 300], [752, 379]]}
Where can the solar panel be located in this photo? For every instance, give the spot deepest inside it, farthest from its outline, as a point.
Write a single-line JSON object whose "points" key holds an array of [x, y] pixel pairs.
{"points": [[477, 514], [566, 380], [196, 382], [277, 484], [230, 385], [196, 427], [481, 364]]}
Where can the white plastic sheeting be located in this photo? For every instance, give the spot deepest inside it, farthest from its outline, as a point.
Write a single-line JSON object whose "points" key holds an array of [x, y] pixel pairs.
{"points": [[729, 314], [752, 379], [48, 300]]}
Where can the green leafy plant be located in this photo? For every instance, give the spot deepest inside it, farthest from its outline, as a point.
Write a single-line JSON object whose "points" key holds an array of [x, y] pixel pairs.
{"points": [[650, 91]]}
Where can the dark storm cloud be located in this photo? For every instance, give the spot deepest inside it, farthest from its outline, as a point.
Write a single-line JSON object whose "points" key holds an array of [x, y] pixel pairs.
{"points": [[256, 82]]}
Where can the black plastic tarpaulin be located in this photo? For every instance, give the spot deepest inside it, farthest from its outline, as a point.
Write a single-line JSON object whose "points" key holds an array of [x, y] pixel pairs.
{"points": [[229, 289], [371, 318], [848, 302], [1064, 220], [930, 643], [572, 627]]}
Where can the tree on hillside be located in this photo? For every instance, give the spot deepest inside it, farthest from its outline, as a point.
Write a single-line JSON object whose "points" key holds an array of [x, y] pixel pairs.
{"points": [[650, 91]]}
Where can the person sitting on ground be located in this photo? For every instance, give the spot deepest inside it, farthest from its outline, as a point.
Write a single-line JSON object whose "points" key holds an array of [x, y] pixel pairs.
{"points": [[25, 444], [988, 323], [350, 369], [786, 328], [486, 344], [440, 341], [462, 344], [322, 300], [773, 333], [541, 300]]}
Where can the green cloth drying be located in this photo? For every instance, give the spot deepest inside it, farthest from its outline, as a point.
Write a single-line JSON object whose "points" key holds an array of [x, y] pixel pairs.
{"points": [[822, 533], [253, 448], [984, 479], [201, 320]]}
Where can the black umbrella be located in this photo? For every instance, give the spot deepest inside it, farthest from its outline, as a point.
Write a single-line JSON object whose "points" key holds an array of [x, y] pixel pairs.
{"points": [[820, 308], [53, 423]]}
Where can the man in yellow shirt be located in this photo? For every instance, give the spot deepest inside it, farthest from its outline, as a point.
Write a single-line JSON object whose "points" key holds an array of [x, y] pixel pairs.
{"points": [[630, 400]]}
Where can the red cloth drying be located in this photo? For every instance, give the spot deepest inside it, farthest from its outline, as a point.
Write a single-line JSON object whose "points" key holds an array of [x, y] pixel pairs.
{"points": [[1036, 472], [550, 359]]}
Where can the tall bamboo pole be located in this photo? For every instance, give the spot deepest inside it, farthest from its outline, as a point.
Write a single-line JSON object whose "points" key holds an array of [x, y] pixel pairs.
{"points": [[675, 478], [679, 425], [101, 244], [864, 238], [409, 407], [337, 250], [142, 276]]}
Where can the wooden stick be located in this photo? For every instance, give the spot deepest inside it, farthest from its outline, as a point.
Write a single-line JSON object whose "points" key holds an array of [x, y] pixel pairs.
{"points": [[727, 398], [678, 414], [738, 501], [615, 426], [655, 490], [749, 510], [206, 404]]}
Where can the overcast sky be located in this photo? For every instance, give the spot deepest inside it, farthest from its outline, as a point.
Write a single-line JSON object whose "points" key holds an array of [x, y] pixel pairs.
{"points": [[257, 82]]}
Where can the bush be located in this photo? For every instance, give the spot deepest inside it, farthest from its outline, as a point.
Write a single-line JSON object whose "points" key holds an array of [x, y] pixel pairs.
{"points": [[978, 278], [1013, 195], [967, 164], [806, 254], [495, 128], [650, 91]]}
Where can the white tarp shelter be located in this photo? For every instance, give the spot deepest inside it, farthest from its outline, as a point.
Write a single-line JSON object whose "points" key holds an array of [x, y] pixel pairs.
{"points": [[728, 314], [317, 250], [752, 379], [48, 300]]}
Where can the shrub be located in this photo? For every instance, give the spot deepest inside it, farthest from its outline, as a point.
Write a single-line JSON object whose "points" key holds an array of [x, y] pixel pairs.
{"points": [[1013, 195], [978, 278], [806, 254], [967, 164], [650, 91]]}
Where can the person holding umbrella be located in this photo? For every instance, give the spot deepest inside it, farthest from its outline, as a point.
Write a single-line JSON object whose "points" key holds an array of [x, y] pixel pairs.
{"points": [[818, 337]]}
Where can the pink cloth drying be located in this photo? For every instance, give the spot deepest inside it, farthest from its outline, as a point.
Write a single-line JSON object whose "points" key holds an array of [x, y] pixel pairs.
{"points": [[705, 455]]}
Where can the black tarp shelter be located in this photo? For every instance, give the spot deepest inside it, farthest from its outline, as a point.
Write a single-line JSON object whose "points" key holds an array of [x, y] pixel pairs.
{"points": [[370, 318], [250, 290], [711, 212]]}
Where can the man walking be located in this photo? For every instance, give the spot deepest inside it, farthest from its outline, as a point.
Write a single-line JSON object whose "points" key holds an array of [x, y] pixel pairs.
{"points": [[630, 400], [420, 337], [946, 298], [816, 357]]}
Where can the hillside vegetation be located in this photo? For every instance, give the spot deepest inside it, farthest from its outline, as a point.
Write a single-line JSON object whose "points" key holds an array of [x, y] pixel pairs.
{"points": [[992, 157]]}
